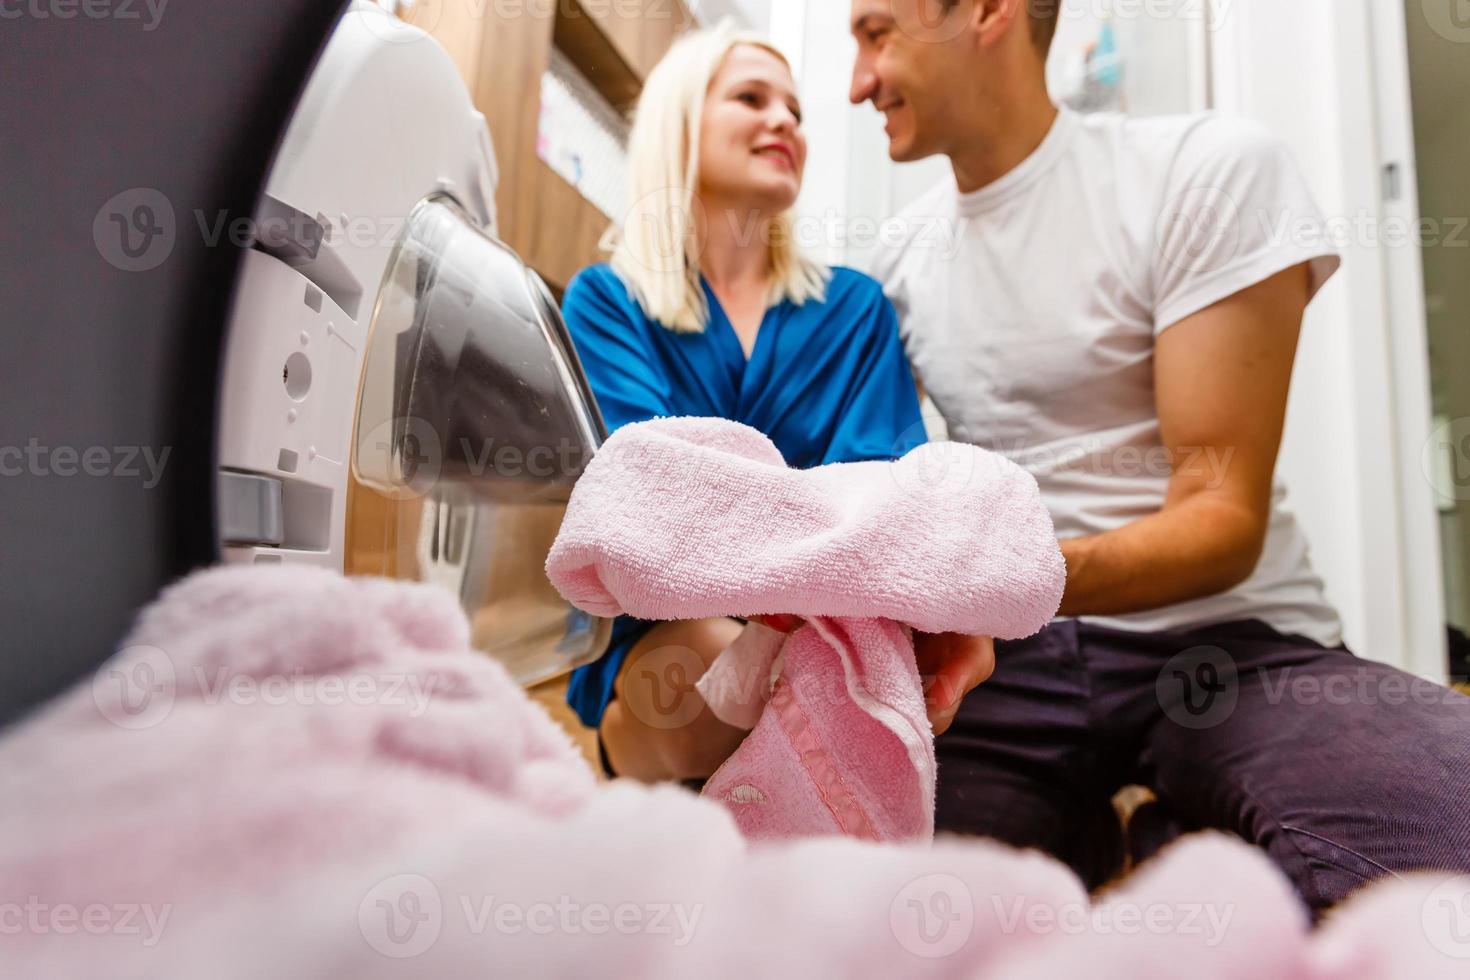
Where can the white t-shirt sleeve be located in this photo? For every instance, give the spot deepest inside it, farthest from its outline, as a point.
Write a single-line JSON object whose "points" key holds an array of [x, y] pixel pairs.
{"points": [[1235, 211]]}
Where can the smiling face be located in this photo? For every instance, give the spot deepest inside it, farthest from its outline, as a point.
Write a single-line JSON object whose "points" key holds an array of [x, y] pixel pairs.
{"points": [[914, 60], [751, 149]]}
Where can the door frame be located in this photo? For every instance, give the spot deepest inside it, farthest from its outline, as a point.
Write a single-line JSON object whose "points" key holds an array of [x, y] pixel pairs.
{"points": [[1427, 651], [1344, 104]]}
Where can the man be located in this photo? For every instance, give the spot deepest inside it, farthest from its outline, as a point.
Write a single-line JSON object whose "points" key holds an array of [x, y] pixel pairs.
{"points": [[1120, 320]]}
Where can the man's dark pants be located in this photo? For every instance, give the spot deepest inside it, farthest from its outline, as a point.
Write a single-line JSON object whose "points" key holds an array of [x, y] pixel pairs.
{"points": [[1342, 769]]}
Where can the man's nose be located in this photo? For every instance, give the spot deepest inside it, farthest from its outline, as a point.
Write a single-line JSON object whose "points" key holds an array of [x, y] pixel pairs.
{"points": [[864, 82]]}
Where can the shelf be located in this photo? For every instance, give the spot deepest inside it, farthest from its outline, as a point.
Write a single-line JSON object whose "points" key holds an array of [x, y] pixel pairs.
{"points": [[502, 58], [558, 230], [589, 46]]}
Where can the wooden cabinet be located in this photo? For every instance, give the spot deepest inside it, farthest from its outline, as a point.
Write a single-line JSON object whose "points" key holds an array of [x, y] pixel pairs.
{"points": [[502, 50]]}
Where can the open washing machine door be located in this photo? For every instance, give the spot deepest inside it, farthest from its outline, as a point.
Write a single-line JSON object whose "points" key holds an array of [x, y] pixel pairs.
{"points": [[400, 396], [253, 302]]}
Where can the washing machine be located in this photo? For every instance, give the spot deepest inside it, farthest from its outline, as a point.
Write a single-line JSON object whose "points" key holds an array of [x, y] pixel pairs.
{"points": [[289, 313]]}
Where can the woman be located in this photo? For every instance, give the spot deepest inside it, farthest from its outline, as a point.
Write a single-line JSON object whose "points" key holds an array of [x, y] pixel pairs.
{"points": [[707, 309]]}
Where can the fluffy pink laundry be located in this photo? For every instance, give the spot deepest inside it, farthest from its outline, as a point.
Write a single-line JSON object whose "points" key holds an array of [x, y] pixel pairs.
{"points": [[286, 773], [685, 518], [1413, 928], [1209, 908]]}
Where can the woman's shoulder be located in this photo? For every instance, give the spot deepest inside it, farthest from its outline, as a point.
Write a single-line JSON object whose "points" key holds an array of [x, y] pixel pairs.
{"points": [[848, 285], [856, 296], [598, 292], [600, 278]]}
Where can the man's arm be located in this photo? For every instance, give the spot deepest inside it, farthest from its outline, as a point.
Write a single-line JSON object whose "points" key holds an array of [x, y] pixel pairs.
{"points": [[1221, 378]]}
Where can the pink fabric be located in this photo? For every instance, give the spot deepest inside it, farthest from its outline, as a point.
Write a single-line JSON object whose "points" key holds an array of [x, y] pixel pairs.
{"points": [[686, 518], [235, 810]]}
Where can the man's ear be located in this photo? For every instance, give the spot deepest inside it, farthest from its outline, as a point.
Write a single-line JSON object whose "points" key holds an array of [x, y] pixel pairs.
{"points": [[992, 21]]}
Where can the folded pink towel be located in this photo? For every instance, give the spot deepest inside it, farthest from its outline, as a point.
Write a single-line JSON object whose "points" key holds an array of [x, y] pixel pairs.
{"points": [[287, 773], [686, 518]]}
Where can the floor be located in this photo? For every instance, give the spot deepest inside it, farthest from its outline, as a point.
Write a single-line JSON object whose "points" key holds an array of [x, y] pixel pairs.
{"points": [[552, 695]]}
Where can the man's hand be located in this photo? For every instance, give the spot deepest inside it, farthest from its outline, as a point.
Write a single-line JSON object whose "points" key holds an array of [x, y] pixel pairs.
{"points": [[951, 665]]}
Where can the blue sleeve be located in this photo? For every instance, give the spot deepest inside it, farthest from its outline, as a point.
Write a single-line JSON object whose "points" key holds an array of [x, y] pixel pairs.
{"points": [[590, 689], [879, 416], [609, 331], [607, 327]]}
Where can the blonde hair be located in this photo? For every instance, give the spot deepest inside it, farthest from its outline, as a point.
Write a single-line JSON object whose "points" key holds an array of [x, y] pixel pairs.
{"points": [[654, 248]]}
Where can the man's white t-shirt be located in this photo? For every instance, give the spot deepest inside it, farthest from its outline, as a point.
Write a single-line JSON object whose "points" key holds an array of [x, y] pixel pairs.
{"points": [[1029, 310]]}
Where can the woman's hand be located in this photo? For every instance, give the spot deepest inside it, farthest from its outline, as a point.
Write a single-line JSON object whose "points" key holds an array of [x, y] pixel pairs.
{"points": [[951, 665]]}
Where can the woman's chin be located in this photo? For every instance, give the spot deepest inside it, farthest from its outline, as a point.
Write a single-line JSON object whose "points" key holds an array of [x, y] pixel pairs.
{"points": [[778, 194], [762, 194]]}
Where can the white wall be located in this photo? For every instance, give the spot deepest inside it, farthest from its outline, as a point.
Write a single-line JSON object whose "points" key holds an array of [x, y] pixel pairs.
{"points": [[754, 14]]}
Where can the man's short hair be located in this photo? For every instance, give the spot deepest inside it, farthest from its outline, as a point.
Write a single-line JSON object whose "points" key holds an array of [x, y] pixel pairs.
{"points": [[1043, 15]]}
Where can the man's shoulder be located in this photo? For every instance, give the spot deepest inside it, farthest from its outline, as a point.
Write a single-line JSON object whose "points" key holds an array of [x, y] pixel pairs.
{"points": [[1158, 142]]}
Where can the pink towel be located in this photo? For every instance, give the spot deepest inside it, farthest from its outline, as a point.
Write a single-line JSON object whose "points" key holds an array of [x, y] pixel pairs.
{"points": [[686, 518], [287, 773]]}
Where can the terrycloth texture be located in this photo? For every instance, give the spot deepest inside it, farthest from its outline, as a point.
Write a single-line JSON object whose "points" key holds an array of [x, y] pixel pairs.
{"points": [[686, 518], [843, 744], [235, 810]]}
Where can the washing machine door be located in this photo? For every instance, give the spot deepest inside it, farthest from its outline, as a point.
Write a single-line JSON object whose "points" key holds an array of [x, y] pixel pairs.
{"points": [[474, 422]]}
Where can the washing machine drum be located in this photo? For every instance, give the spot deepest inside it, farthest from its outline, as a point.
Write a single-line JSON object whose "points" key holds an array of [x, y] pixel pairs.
{"points": [[360, 376]]}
